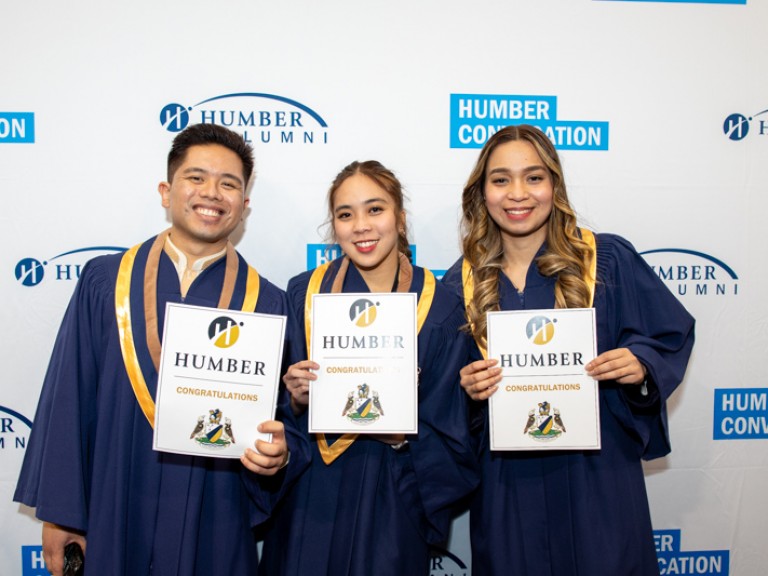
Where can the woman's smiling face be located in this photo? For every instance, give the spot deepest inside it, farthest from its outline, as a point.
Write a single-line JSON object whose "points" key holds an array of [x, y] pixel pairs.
{"points": [[518, 191], [366, 224]]}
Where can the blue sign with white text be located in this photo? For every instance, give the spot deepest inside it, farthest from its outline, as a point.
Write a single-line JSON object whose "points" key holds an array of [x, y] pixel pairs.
{"points": [[17, 128], [32, 562], [673, 559], [319, 254], [477, 117], [683, 1], [740, 414]]}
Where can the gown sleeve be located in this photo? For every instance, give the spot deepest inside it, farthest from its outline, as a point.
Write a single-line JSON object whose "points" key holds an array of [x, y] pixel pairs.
{"points": [[478, 411], [438, 468], [643, 315], [55, 477]]}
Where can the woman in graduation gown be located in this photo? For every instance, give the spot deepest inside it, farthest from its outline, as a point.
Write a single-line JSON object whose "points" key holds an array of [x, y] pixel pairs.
{"points": [[376, 505], [571, 511]]}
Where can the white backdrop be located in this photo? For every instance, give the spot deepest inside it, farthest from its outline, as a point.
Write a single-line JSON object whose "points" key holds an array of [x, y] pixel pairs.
{"points": [[679, 91]]}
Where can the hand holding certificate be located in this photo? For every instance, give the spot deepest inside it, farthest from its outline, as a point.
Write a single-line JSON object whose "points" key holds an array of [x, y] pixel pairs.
{"points": [[218, 380], [545, 400], [365, 345]]}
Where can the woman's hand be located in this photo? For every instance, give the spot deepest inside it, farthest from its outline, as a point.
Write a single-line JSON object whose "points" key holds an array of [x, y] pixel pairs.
{"points": [[620, 365], [480, 379], [296, 380], [391, 439]]}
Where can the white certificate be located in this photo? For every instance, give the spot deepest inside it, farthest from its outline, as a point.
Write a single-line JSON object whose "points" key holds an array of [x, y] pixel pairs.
{"points": [[218, 379], [545, 399], [366, 347]]}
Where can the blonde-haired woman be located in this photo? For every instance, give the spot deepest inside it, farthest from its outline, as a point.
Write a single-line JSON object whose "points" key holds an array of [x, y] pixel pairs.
{"points": [[571, 511]]}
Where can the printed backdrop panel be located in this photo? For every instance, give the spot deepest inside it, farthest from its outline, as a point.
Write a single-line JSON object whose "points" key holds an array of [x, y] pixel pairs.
{"points": [[659, 110]]}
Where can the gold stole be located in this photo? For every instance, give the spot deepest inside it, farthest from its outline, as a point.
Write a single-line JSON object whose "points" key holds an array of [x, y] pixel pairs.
{"points": [[468, 282], [123, 312], [329, 453]]}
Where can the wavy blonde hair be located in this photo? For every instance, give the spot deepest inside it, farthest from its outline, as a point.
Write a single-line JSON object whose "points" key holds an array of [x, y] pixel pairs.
{"points": [[567, 256]]}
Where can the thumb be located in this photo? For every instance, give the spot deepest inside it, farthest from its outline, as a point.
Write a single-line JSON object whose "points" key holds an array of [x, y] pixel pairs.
{"points": [[273, 427]]}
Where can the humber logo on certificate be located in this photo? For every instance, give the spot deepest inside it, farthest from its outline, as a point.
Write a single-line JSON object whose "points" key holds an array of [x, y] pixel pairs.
{"points": [[546, 401]]}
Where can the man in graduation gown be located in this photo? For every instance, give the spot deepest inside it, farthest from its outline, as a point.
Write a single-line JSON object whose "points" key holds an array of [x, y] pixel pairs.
{"points": [[90, 470]]}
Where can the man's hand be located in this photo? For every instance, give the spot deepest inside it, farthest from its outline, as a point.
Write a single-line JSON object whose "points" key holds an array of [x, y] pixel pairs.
{"points": [[55, 539], [268, 457]]}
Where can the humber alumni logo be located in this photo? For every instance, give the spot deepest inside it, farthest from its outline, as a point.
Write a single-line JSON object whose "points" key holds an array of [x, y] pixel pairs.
{"points": [[224, 332], [737, 126], [31, 271], [14, 429], [540, 330], [446, 563], [259, 117], [688, 273]]}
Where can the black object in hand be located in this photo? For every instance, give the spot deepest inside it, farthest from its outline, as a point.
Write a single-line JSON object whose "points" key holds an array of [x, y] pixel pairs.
{"points": [[74, 562]]}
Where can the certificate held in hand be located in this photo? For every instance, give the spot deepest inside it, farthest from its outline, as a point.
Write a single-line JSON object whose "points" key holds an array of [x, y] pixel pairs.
{"points": [[218, 379], [366, 347], [545, 400]]}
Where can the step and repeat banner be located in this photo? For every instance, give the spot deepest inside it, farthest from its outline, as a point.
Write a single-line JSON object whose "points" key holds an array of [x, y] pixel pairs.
{"points": [[659, 109]]}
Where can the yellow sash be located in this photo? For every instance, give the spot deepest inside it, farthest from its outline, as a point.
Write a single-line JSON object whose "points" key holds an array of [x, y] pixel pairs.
{"points": [[123, 312], [329, 453], [590, 278]]}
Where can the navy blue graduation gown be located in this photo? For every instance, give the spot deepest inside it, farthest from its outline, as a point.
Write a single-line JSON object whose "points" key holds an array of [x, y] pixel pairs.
{"points": [[375, 510], [586, 512], [90, 464]]}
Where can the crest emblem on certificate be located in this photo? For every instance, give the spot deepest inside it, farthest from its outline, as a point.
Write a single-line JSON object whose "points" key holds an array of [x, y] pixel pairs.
{"points": [[210, 432], [544, 423], [363, 405]]}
